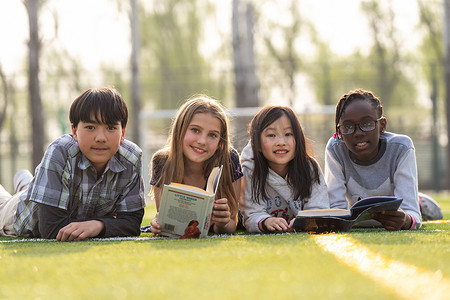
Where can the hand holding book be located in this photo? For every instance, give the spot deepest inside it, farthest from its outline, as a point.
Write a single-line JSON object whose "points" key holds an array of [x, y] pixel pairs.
{"points": [[335, 220]]}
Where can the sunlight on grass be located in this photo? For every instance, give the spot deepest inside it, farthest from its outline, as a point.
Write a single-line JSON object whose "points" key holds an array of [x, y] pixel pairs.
{"points": [[407, 280], [239, 266], [253, 267]]}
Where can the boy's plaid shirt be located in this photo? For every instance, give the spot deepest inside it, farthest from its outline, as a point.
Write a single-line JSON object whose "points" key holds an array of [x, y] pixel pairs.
{"points": [[66, 179]]}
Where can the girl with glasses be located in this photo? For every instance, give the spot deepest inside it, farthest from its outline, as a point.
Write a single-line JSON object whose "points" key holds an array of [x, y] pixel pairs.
{"points": [[363, 159]]}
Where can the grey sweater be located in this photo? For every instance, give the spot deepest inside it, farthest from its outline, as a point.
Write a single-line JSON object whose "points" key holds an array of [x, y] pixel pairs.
{"points": [[393, 172]]}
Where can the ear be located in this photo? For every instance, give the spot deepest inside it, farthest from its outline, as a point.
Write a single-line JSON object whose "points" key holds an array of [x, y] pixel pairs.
{"points": [[74, 133], [123, 135], [383, 126]]}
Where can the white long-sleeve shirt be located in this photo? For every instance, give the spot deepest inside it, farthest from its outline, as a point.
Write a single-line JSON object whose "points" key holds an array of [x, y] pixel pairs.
{"points": [[281, 202]]}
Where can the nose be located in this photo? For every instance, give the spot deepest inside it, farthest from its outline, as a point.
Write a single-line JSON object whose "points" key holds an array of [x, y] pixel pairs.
{"points": [[358, 130], [101, 135], [281, 140], [201, 139]]}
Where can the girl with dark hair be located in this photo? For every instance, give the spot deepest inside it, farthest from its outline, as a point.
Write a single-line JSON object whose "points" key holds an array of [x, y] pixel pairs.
{"points": [[280, 175]]}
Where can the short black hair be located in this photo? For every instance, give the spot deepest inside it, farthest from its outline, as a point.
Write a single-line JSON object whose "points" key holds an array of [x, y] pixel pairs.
{"points": [[357, 94], [106, 104]]}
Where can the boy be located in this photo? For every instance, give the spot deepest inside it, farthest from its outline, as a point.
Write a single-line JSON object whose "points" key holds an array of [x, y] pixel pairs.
{"points": [[88, 184]]}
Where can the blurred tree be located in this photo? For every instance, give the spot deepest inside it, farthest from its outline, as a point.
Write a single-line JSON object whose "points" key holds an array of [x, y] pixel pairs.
{"points": [[280, 42], [433, 58], [392, 86], [135, 80], [173, 67], [4, 95], [13, 143], [246, 82], [63, 77], [36, 110], [446, 4]]}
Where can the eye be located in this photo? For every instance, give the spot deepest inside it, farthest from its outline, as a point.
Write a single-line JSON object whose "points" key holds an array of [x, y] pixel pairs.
{"points": [[89, 127], [195, 130], [348, 126], [289, 134], [111, 127], [367, 123], [271, 135], [213, 135]]}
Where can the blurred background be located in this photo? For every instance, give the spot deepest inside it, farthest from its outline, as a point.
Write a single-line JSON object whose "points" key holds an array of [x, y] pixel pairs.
{"points": [[302, 53]]}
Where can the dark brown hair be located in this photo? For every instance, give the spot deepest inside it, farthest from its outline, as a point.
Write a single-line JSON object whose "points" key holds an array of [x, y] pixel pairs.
{"points": [[303, 170], [105, 104]]}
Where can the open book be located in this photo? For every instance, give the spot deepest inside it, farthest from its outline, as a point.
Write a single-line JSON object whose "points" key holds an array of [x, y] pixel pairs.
{"points": [[185, 210], [335, 220]]}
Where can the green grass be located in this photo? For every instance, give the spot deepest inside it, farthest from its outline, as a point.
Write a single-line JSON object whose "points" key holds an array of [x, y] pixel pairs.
{"points": [[272, 266]]}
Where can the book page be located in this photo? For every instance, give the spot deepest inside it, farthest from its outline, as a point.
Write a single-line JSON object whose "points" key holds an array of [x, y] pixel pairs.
{"points": [[213, 180], [189, 188], [333, 212]]}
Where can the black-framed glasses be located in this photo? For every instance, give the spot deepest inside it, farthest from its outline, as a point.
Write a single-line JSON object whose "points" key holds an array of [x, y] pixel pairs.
{"points": [[366, 125]]}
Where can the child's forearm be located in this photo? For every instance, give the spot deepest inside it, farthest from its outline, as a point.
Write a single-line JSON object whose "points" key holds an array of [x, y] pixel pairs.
{"points": [[229, 227], [124, 224]]}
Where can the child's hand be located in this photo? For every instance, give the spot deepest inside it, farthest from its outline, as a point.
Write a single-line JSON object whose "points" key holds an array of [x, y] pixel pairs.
{"points": [[276, 224], [221, 214], [80, 230], [156, 228], [393, 219], [291, 225]]}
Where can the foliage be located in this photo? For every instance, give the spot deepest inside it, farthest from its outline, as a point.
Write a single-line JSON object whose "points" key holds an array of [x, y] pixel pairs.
{"points": [[173, 67], [281, 39], [431, 49]]}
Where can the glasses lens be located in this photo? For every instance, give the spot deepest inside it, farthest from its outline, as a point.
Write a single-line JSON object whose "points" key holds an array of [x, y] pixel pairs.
{"points": [[347, 128], [367, 125]]}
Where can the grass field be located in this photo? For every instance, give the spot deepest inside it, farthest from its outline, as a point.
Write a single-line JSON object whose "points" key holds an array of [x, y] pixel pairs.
{"points": [[367, 264]]}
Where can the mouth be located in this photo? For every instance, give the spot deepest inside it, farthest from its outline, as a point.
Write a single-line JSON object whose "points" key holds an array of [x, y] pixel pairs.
{"points": [[281, 151], [198, 150], [361, 145], [100, 149]]}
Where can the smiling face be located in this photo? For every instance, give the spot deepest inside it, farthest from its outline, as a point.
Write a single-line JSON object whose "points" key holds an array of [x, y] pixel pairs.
{"points": [[201, 139], [278, 145], [363, 145], [98, 142]]}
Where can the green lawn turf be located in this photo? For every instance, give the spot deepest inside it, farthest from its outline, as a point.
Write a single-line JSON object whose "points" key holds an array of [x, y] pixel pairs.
{"points": [[244, 266]]}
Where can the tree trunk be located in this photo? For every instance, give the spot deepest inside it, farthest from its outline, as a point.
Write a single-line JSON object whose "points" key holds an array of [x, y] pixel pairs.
{"points": [[3, 110], [135, 84], [36, 110], [246, 83], [447, 79]]}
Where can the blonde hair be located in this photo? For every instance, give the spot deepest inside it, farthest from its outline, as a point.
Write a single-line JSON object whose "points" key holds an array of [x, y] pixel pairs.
{"points": [[172, 156]]}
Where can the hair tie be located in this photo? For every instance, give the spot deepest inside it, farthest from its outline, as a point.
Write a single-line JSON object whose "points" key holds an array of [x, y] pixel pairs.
{"points": [[336, 137]]}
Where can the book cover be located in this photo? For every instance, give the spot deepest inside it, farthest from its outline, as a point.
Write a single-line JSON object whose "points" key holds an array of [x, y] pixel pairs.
{"points": [[185, 210], [336, 220]]}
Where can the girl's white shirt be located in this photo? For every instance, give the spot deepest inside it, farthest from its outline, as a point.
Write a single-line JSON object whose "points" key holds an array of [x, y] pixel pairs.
{"points": [[281, 201]]}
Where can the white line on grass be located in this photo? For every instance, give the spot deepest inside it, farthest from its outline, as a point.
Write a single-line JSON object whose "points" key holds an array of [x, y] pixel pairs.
{"points": [[405, 280], [437, 222]]}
